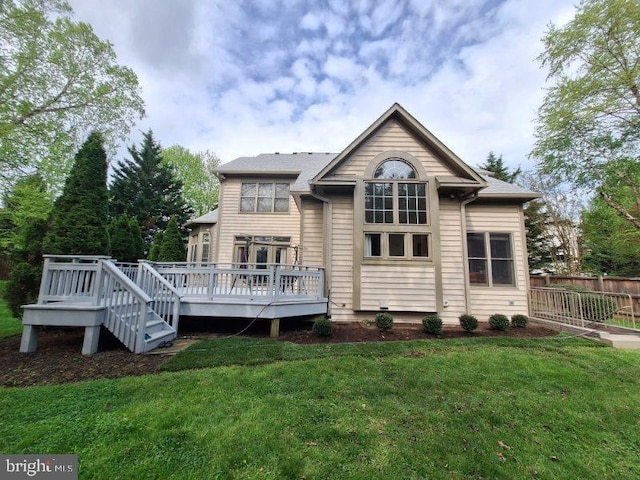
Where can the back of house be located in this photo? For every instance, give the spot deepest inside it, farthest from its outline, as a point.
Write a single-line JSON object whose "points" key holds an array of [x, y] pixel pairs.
{"points": [[398, 222]]}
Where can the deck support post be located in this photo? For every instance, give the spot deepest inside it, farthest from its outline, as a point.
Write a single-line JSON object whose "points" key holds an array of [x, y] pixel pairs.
{"points": [[90, 342], [275, 328], [29, 341]]}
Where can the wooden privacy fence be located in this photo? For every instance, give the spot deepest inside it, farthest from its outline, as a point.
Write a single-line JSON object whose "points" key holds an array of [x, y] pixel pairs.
{"points": [[601, 283]]}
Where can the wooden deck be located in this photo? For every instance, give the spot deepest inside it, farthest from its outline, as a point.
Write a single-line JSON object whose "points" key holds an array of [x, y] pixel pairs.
{"points": [[141, 304]]}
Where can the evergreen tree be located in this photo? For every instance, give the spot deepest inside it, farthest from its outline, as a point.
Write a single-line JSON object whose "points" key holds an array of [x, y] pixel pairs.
{"points": [[126, 239], [78, 224], [172, 248], [154, 251], [500, 170], [147, 189], [538, 240]]}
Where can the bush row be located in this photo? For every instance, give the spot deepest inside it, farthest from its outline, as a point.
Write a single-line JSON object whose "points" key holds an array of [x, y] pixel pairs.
{"points": [[431, 324]]}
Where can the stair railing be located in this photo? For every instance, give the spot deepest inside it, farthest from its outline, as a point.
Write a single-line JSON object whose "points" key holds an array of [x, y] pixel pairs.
{"points": [[165, 298], [127, 307]]}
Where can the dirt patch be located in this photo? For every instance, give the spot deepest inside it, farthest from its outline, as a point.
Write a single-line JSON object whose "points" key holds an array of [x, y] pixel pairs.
{"points": [[59, 359]]}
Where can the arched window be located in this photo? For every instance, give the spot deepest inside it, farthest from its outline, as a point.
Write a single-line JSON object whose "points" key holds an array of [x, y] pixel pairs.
{"points": [[399, 199]]}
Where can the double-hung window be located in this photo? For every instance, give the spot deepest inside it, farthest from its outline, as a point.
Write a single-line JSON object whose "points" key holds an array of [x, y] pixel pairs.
{"points": [[490, 259], [264, 197], [395, 208]]}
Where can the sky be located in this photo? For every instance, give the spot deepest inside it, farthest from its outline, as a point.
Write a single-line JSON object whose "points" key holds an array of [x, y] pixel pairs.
{"points": [[241, 78]]}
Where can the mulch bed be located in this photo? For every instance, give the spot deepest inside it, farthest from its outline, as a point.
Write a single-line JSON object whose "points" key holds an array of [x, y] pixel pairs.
{"points": [[59, 359]]}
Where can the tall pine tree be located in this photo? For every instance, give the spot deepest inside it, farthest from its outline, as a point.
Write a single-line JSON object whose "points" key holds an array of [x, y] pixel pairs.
{"points": [[172, 248], [78, 224], [147, 189], [500, 170]]}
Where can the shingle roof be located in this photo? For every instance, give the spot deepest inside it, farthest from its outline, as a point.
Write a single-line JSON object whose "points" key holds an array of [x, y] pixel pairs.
{"points": [[306, 165], [207, 218]]}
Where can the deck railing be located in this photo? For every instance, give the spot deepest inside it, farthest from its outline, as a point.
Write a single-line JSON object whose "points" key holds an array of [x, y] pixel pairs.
{"points": [[70, 277], [270, 282]]}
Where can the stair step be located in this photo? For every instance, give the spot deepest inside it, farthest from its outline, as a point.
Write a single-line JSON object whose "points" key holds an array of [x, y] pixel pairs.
{"points": [[153, 340], [153, 326]]}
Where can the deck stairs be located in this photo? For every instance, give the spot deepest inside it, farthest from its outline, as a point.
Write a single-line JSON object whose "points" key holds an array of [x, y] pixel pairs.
{"points": [[136, 304]]}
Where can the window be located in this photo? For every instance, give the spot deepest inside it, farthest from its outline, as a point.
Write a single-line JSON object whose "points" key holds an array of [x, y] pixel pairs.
{"points": [[490, 259], [193, 248], [396, 245], [395, 201], [206, 243], [264, 197]]}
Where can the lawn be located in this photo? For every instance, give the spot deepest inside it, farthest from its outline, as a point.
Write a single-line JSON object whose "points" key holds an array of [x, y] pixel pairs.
{"points": [[9, 325], [549, 408]]}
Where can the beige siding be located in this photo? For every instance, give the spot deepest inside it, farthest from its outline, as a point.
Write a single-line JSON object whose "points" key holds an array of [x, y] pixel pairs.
{"points": [[410, 289], [342, 258], [313, 239], [391, 136], [486, 301], [233, 223], [453, 258]]}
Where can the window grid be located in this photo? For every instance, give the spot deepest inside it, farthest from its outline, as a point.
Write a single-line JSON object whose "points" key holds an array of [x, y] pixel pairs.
{"points": [[396, 245], [490, 259], [264, 197], [378, 202]]}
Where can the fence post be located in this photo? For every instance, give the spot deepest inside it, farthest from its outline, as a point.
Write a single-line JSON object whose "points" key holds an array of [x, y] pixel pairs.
{"points": [[600, 283]]}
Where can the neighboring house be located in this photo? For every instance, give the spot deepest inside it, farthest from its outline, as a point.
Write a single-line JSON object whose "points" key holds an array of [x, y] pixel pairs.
{"points": [[397, 220]]}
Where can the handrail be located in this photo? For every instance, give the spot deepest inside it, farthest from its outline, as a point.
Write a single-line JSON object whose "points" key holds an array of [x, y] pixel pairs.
{"points": [[165, 298], [127, 307]]}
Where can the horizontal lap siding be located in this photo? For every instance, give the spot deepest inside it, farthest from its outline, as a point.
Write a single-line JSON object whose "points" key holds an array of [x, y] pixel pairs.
{"points": [[486, 301], [342, 258], [452, 251], [392, 136], [233, 223], [410, 289], [313, 237]]}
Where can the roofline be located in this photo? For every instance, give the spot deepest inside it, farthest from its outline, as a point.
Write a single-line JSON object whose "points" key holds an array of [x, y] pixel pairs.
{"points": [[261, 172], [515, 196], [422, 132]]}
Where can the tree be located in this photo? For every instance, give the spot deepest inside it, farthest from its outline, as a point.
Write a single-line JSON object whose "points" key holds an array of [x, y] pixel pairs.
{"points": [[58, 82], [500, 170], [78, 224], [126, 239], [588, 127], [146, 188], [196, 172], [612, 244], [539, 241], [26, 206], [154, 251], [172, 248], [559, 218]]}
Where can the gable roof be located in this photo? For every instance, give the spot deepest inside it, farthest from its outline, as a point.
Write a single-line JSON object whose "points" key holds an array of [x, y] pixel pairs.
{"points": [[398, 113], [303, 165]]}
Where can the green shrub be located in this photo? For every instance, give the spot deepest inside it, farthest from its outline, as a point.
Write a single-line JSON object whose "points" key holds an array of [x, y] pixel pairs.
{"points": [[384, 321], [432, 324], [519, 320], [468, 322], [322, 327], [497, 321], [23, 287]]}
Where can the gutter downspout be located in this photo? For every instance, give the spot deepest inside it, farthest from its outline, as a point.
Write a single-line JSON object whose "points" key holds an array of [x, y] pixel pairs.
{"points": [[465, 252], [326, 250]]}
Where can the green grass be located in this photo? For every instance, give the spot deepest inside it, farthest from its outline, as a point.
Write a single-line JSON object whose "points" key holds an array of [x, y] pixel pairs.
{"points": [[9, 326], [559, 408]]}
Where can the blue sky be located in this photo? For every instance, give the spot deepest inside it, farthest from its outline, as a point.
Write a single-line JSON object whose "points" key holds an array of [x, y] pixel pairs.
{"points": [[245, 77]]}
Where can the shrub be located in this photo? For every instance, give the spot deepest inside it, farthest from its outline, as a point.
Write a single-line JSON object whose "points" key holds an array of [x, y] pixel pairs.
{"points": [[468, 322], [432, 324], [322, 327], [519, 320], [497, 321], [384, 321], [23, 287]]}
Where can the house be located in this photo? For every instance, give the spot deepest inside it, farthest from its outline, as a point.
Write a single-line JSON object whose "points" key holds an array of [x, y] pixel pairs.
{"points": [[397, 221]]}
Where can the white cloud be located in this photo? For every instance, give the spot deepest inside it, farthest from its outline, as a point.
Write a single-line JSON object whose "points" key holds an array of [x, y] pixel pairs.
{"points": [[241, 78]]}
